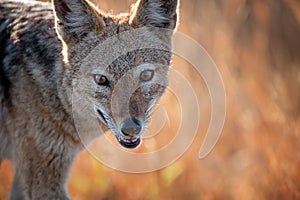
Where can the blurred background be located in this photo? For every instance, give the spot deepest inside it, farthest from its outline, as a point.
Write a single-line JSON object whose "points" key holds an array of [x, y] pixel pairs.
{"points": [[256, 46]]}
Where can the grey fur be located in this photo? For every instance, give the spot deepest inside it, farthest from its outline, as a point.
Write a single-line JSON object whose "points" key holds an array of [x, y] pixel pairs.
{"points": [[40, 56]]}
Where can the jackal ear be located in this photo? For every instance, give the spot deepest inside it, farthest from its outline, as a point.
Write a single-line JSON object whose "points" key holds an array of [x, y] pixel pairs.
{"points": [[76, 18], [155, 13]]}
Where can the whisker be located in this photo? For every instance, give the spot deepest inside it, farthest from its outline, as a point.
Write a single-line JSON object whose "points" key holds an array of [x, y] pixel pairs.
{"points": [[151, 111]]}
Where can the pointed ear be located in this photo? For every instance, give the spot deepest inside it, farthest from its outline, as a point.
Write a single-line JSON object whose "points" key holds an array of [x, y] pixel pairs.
{"points": [[75, 19], [155, 13]]}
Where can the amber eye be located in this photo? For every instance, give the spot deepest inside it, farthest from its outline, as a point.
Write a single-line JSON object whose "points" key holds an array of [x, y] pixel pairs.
{"points": [[147, 75], [101, 80]]}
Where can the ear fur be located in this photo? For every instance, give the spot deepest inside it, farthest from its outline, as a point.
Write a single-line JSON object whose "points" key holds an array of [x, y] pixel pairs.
{"points": [[75, 19], [155, 13]]}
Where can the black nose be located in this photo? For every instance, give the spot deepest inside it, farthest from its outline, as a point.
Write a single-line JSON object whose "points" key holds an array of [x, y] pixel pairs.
{"points": [[131, 127]]}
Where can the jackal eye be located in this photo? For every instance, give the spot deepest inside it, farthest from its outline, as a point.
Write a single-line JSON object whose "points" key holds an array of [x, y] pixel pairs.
{"points": [[147, 75], [101, 80]]}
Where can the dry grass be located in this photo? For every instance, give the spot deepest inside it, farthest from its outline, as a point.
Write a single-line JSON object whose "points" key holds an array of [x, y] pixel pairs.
{"points": [[256, 46]]}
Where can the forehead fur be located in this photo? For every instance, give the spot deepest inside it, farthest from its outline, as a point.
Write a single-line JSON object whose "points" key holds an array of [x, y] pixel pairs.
{"points": [[136, 58]]}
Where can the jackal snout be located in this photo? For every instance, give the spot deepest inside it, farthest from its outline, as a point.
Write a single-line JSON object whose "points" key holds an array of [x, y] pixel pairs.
{"points": [[131, 127]]}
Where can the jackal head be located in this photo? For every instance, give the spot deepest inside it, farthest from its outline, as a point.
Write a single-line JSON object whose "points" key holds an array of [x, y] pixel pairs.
{"points": [[130, 73]]}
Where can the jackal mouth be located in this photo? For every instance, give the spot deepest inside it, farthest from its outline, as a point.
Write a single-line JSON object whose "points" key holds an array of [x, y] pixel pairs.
{"points": [[128, 141]]}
